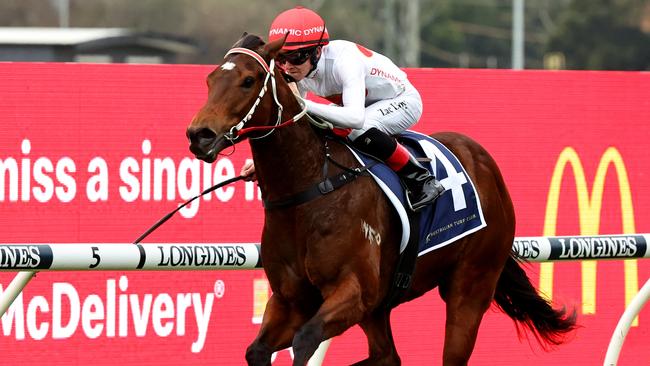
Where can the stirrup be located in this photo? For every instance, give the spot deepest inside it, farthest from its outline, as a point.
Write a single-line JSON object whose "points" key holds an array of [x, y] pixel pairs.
{"points": [[438, 190]]}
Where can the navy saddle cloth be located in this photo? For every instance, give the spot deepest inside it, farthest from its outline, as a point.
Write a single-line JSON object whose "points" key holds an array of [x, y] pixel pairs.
{"points": [[457, 211]]}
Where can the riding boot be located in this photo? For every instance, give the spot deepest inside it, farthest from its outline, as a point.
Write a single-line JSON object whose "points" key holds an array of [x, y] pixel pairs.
{"points": [[422, 187]]}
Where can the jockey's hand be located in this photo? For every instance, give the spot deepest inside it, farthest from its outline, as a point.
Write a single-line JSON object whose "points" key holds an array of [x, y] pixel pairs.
{"points": [[248, 171]]}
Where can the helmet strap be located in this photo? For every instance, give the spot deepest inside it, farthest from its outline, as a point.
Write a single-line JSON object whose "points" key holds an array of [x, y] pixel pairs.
{"points": [[288, 78], [314, 58]]}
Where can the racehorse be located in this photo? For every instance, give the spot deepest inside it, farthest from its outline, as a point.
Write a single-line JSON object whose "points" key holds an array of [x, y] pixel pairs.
{"points": [[326, 273]]}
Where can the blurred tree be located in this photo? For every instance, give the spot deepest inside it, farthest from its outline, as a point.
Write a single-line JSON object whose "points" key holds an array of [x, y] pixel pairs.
{"points": [[603, 35], [216, 25], [21, 13], [592, 34], [478, 33], [457, 33]]}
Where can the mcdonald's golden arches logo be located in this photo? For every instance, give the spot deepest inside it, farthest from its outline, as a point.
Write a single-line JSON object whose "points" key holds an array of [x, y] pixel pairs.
{"points": [[589, 208]]}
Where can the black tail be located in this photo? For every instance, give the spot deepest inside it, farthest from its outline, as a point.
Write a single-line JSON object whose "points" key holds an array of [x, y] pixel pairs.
{"points": [[518, 298]]}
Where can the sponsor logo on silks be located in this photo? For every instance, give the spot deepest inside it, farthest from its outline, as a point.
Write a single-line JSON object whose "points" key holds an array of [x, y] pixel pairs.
{"points": [[392, 107], [206, 255], [115, 314], [296, 32], [384, 74], [589, 207]]}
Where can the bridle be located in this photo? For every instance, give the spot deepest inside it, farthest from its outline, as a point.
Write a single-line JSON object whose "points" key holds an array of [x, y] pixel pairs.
{"points": [[238, 130], [328, 184]]}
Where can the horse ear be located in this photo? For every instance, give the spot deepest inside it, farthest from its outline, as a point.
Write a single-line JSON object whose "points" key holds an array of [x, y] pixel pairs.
{"points": [[248, 40], [271, 49]]}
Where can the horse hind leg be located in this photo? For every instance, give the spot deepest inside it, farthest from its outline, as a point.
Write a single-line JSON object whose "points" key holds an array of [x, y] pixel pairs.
{"points": [[342, 307], [467, 297], [381, 346]]}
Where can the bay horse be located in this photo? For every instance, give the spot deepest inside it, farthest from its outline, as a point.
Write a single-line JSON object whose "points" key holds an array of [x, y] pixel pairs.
{"points": [[325, 274]]}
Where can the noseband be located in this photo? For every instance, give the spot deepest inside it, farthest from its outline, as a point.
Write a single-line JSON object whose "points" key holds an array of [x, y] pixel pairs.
{"points": [[238, 130]]}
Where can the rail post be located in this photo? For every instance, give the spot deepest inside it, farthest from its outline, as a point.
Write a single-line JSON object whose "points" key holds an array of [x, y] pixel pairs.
{"points": [[623, 326]]}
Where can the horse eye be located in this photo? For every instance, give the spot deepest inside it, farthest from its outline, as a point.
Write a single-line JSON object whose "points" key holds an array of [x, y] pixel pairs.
{"points": [[248, 82]]}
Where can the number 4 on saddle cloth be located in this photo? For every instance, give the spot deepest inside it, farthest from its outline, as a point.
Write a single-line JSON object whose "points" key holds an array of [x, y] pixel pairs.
{"points": [[455, 214]]}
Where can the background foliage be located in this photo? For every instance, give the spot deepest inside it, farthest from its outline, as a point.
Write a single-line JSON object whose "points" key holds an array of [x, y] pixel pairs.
{"points": [[586, 34]]}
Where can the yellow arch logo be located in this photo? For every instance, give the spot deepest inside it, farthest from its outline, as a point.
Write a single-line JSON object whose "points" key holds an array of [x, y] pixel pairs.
{"points": [[589, 207]]}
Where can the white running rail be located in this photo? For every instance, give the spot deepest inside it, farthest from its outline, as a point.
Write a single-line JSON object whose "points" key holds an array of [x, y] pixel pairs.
{"points": [[31, 258], [623, 326]]}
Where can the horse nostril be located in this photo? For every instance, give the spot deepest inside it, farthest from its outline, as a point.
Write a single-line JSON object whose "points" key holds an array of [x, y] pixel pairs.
{"points": [[206, 134], [200, 135]]}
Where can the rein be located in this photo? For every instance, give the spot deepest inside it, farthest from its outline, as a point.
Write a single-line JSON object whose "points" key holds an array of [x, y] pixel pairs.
{"points": [[169, 215], [328, 184], [238, 130]]}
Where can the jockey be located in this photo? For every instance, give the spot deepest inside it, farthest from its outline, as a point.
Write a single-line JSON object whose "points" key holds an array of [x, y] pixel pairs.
{"points": [[372, 97]]}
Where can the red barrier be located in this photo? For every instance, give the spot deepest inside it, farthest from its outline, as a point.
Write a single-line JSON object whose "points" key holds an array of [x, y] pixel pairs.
{"points": [[97, 153]]}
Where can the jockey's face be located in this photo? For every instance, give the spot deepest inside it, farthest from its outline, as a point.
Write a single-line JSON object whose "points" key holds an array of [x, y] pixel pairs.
{"points": [[297, 64]]}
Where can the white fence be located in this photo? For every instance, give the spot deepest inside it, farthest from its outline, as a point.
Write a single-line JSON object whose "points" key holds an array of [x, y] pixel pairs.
{"points": [[126, 257], [32, 258]]}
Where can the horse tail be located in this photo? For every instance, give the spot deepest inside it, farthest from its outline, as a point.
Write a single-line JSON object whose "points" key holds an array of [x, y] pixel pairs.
{"points": [[517, 297]]}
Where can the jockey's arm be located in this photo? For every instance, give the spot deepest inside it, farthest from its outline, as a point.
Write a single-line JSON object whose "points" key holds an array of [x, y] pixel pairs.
{"points": [[352, 113]]}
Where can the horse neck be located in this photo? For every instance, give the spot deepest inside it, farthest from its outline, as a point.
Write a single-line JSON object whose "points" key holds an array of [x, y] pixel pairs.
{"points": [[291, 158]]}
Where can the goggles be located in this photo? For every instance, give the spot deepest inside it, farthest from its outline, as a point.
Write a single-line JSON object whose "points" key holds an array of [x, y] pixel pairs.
{"points": [[297, 57]]}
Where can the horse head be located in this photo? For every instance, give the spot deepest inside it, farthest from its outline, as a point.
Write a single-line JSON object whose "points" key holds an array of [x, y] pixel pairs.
{"points": [[238, 102]]}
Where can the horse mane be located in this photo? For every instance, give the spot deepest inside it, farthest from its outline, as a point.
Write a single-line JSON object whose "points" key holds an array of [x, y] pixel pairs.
{"points": [[250, 41]]}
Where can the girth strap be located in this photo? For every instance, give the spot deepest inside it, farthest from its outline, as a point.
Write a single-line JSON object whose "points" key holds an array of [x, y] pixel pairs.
{"points": [[326, 186], [403, 273]]}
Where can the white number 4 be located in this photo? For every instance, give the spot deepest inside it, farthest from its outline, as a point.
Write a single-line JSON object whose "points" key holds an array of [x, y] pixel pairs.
{"points": [[454, 181]]}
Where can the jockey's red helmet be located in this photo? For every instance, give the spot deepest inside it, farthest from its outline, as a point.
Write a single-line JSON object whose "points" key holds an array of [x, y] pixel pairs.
{"points": [[305, 29]]}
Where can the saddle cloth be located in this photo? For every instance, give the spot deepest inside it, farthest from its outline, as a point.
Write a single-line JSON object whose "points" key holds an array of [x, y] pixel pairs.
{"points": [[457, 212]]}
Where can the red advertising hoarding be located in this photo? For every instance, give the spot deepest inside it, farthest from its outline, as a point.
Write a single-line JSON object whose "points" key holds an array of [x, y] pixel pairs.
{"points": [[97, 153]]}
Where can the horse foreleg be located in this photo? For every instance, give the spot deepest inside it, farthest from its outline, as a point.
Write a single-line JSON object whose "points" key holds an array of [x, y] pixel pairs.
{"points": [[281, 321], [381, 346], [342, 307]]}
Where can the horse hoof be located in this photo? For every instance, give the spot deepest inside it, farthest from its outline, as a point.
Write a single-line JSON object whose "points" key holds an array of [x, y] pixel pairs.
{"points": [[258, 354]]}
